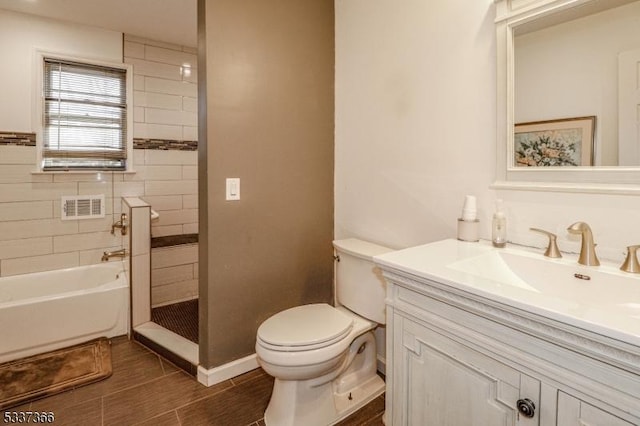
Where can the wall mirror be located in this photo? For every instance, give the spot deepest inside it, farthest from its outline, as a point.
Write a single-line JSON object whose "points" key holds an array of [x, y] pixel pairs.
{"points": [[568, 95]]}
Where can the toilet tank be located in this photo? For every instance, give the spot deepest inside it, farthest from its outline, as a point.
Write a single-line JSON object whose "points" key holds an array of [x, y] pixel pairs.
{"points": [[360, 286]]}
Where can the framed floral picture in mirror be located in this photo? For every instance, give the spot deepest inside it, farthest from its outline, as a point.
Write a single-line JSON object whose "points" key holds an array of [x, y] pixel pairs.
{"points": [[554, 143]]}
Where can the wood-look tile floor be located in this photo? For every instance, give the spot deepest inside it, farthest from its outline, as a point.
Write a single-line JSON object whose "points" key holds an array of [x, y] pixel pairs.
{"points": [[145, 389]]}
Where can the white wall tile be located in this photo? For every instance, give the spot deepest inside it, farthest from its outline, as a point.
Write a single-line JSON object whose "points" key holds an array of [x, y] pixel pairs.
{"points": [[138, 82], [88, 241], [174, 217], [26, 210], [163, 276], [190, 201], [171, 157], [163, 131], [154, 69], [25, 265], [189, 133], [138, 115], [170, 187], [164, 202], [30, 225], [145, 41], [190, 104], [173, 256], [190, 228], [21, 173], [26, 247], [165, 116], [133, 50], [163, 231], [35, 191], [170, 87], [88, 177], [170, 56], [15, 230], [190, 172], [195, 270], [174, 292], [140, 130], [158, 100], [10, 154], [192, 77], [189, 49], [96, 225], [118, 189], [138, 157], [166, 172]]}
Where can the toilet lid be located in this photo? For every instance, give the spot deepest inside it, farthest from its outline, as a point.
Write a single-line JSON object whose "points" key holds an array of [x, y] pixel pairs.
{"points": [[305, 325]]}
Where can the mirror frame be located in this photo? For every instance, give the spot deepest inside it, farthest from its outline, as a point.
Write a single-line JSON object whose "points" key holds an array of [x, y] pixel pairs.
{"points": [[608, 180]]}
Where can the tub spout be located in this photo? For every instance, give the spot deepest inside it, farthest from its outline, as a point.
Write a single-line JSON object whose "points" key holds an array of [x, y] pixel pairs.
{"points": [[109, 254]]}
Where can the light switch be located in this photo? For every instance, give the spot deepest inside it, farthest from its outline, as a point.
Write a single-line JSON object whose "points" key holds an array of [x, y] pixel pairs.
{"points": [[233, 189]]}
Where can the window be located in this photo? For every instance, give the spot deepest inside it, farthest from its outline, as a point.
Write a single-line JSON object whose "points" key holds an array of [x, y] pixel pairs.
{"points": [[85, 116]]}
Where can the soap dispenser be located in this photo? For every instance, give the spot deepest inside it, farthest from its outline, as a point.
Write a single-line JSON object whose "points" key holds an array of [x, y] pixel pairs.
{"points": [[499, 226]]}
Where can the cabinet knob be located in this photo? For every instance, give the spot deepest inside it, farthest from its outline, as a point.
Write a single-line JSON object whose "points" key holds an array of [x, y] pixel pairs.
{"points": [[526, 407]]}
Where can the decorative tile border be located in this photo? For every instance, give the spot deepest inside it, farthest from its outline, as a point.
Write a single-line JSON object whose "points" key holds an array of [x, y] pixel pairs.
{"points": [[165, 144], [17, 138], [173, 240], [29, 139]]}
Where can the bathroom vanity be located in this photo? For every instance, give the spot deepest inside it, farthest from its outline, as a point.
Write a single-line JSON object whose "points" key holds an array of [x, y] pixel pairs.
{"points": [[484, 336]]}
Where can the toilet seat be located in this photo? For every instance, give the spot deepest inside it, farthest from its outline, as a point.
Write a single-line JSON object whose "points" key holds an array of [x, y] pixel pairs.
{"points": [[304, 328]]}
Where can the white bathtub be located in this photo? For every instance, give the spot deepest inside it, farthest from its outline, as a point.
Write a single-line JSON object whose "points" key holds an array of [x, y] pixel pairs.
{"points": [[44, 311]]}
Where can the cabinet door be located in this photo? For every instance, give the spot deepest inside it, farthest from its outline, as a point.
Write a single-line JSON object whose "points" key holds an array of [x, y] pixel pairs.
{"points": [[439, 380], [573, 412]]}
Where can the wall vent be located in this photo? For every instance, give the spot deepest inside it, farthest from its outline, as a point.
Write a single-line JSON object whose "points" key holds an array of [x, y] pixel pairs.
{"points": [[76, 207]]}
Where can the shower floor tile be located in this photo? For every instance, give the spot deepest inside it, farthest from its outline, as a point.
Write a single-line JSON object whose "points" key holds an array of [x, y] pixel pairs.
{"points": [[181, 318]]}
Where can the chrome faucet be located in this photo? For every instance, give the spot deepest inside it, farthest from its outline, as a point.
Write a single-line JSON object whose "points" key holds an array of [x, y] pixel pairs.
{"points": [[588, 248], [109, 254]]}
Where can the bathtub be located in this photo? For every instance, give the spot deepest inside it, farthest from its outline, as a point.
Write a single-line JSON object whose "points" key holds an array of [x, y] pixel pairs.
{"points": [[44, 311]]}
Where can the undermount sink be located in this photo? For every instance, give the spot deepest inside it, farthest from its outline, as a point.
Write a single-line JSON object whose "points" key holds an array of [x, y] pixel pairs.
{"points": [[601, 298]]}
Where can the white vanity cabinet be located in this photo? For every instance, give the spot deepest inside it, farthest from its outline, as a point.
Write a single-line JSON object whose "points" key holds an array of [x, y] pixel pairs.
{"points": [[442, 380], [456, 357]]}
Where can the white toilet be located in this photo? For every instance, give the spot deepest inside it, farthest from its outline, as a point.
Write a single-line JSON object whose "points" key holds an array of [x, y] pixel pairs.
{"points": [[324, 358]]}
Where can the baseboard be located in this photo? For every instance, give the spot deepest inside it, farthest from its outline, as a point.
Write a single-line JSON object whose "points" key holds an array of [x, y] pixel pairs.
{"points": [[227, 371], [382, 365]]}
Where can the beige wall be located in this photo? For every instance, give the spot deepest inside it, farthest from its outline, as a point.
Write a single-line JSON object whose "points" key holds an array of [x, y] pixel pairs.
{"points": [[268, 94]]}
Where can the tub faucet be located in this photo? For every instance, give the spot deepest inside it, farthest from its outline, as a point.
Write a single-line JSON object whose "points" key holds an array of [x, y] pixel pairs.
{"points": [[109, 254], [122, 224], [588, 248]]}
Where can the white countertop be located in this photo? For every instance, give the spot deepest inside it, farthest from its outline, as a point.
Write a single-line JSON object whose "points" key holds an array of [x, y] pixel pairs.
{"points": [[607, 304]]}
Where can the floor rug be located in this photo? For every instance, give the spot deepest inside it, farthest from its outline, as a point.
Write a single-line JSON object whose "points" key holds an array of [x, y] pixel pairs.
{"points": [[35, 377]]}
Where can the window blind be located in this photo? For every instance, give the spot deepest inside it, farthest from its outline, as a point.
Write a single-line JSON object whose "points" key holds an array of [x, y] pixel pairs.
{"points": [[85, 116]]}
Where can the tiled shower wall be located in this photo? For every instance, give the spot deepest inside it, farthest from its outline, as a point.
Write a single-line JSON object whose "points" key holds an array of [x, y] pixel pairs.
{"points": [[33, 238], [165, 128]]}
